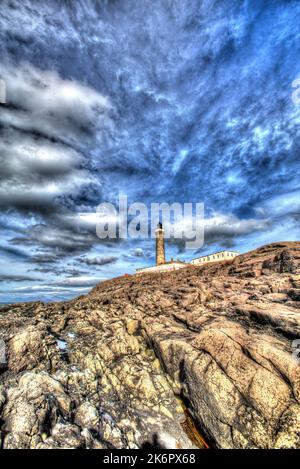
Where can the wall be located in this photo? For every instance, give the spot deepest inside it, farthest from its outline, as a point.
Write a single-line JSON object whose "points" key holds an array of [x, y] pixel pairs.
{"points": [[162, 268], [216, 257]]}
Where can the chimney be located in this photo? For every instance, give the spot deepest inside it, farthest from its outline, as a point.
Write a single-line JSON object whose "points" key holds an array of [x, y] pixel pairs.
{"points": [[160, 245]]}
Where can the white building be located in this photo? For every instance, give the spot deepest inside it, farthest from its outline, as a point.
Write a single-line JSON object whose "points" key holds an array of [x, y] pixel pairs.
{"points": [[215, 257], [167, 266]]}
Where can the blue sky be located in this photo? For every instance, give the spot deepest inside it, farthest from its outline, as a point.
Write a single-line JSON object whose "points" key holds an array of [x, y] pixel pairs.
{"points": [[164, 101]]}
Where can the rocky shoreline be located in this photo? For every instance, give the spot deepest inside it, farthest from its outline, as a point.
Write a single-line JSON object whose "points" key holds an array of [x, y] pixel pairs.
{"points": [[112, 369]]}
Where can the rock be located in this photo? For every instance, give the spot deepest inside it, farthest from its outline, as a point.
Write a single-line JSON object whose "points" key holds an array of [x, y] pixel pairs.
{"points": [[87, 416], [64, 436], [219, 335], [32, 407], [132, 326], [29, 348]]}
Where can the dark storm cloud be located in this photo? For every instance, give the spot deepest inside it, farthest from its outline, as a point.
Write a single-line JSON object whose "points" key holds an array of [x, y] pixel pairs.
{"points": [[60, 241]]}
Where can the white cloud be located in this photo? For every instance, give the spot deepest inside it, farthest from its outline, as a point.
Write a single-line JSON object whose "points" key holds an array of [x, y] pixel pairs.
{"points": [[98, 260], [44, 102], [84, 281], [223, 226], [281, 205], [231, 226]]}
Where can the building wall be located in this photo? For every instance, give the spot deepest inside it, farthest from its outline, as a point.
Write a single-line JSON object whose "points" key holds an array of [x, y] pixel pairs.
{"points": [[215, 257], [162, 268]]}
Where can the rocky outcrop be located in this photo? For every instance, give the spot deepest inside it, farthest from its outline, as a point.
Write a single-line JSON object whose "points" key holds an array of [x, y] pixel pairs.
{"points": [[119, 367]]}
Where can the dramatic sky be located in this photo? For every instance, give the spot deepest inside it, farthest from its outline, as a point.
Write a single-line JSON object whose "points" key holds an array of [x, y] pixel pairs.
{"points": [[161, 100]]}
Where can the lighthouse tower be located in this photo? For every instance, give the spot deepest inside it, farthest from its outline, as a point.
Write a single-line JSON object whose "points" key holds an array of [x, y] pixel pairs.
{"points": [[160, 245]]}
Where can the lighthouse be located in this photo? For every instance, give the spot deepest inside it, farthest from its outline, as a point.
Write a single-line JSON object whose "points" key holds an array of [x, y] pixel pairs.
{"points": [[160, 245], [161, 264]]}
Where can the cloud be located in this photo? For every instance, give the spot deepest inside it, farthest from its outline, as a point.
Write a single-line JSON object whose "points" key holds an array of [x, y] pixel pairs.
{"points": [[44, 129], [140, 252], [59, 270], [37, 172], [37, 160], [41, 103], [281, 205], [98, 260], [16, 278], [84, 281], [14, 252], [61, 241], [42, 258], [225, 229]]}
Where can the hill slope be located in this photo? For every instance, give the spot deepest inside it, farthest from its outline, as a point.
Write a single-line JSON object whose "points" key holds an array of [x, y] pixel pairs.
{"points": [[113, 368]]}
